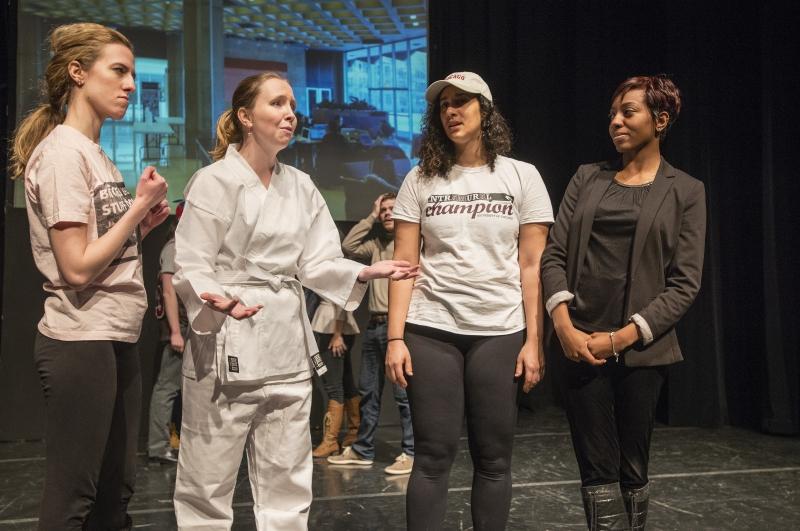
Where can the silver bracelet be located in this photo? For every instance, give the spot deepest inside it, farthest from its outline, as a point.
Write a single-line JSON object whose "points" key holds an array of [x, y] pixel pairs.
{"points": [[613, 348]]}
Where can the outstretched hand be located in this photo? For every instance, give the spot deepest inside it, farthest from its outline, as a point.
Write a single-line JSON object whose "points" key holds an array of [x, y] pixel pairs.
{"points": [[393, 269], [232, 307]]}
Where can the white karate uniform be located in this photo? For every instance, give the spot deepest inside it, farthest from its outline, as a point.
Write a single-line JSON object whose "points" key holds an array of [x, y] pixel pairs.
{"points": [[247, 383]]}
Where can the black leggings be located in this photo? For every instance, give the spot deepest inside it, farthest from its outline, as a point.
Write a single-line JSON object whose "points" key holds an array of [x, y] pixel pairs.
{"points": [[611, 411], [92, 392], [338, 379], [453, 375]]}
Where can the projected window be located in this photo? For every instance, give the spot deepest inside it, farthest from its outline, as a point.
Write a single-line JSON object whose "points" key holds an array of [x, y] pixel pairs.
{"points": [[384, 76], [358, 73]]}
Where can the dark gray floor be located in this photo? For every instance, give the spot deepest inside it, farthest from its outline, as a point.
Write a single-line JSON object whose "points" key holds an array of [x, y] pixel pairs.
{"points": [[701, 478]]}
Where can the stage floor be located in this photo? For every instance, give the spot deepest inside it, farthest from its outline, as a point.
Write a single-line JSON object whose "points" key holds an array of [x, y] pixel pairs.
{"points": [[722, 478]]}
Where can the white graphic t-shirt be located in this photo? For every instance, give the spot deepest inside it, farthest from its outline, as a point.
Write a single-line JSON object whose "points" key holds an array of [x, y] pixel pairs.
{"points": [[469, 279], [69, 178]]}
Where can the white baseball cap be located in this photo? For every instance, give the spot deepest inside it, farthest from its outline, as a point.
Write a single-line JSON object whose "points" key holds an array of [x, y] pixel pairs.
{"points": [[466, 81]]}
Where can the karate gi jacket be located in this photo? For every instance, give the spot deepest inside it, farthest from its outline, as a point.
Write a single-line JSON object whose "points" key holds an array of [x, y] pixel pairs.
{"points": [[238, 238]]}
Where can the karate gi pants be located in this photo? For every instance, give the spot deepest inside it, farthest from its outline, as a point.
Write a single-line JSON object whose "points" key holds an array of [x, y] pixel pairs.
{"points": [[270, 421]]}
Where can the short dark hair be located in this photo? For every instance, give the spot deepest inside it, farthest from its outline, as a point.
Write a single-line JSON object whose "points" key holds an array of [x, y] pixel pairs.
{"points": [[660, 95]]}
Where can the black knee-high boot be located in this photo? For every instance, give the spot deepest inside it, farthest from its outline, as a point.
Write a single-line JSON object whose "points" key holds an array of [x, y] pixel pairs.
{"points": [[604, 508], [636, 504]]}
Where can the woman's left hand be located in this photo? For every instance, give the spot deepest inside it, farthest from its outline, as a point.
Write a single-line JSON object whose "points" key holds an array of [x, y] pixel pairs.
{"points": [[232, 307], [393, 269], [336, 345], [530, 362], [155, 217], [599, 345]]}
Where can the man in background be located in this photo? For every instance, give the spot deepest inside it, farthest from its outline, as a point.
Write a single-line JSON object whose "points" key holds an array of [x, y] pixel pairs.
{"points": [[366, 241]]}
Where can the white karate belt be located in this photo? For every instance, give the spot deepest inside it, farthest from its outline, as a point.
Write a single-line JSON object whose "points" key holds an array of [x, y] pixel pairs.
{"points": [[255, 276]]}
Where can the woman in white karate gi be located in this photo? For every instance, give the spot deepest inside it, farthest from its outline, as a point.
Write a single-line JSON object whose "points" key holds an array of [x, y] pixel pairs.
{"points": [[253, 232]]}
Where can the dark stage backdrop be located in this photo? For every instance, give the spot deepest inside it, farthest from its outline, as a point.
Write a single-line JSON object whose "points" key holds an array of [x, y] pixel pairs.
{"points": [[552, 66]]}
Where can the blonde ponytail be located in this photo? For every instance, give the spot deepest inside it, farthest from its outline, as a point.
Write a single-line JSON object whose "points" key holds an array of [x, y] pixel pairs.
{"points": [[36, 125], [82, 42], [228, 132]]}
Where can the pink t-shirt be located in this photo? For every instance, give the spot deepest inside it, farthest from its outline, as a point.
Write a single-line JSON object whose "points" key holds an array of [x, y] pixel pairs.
{"points": [[69, 178]]}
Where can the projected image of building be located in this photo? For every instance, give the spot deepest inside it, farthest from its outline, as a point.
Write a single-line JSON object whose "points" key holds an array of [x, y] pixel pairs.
{"points": [[358, 69]]}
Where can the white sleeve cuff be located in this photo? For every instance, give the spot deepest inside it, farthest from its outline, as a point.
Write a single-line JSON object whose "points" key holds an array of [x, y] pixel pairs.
{"points": [[644, 328], [358, 292], [208, 321], [556, 299]]}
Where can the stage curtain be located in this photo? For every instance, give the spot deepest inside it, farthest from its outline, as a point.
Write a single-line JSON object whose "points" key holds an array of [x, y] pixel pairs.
{"points": [[552, 66]]}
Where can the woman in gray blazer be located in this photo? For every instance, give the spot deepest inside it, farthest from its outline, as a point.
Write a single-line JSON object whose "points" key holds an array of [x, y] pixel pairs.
{"points": [[622, 265]]}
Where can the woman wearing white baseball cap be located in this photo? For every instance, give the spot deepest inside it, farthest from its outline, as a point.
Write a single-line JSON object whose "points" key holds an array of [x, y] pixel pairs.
{"points": [[476, 221]]}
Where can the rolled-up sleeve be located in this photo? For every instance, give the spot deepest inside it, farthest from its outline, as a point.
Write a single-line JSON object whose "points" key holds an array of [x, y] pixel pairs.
{"points": [[644, 329], [556, 299]]}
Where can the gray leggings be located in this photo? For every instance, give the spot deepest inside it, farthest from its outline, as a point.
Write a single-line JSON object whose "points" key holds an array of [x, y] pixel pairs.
{"points": [[453, 375], [92, 392]]}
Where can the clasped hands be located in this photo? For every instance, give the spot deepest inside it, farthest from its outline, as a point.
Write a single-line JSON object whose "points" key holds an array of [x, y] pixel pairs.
{"points": [[594, 348]]}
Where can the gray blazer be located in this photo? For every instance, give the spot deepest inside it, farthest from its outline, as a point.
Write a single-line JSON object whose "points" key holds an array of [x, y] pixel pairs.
{"points": [[666, 260]]}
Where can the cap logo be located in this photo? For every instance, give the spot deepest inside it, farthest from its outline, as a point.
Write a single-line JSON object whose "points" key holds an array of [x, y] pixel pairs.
{"points": [[455, 76]]}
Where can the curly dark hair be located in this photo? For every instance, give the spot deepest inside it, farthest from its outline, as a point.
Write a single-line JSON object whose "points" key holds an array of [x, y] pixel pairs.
{"points": [[437, 153]]}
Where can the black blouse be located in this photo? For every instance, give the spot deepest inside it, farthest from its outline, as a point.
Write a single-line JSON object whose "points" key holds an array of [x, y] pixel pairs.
{"points": [[600, 295]]}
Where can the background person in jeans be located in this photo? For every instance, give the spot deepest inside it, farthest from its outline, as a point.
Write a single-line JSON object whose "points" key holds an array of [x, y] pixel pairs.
{"points": [[174, 327], [365, 241]]}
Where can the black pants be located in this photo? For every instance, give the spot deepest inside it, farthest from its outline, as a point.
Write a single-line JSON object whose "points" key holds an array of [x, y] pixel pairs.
{"points": [[453, 375], [611, 411], [92, 392], [338, 380]]}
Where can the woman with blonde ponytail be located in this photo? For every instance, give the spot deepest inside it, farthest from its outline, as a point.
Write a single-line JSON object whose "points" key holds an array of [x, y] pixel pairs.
{"points": [[86, 233], [227, 133], [253, 233]]}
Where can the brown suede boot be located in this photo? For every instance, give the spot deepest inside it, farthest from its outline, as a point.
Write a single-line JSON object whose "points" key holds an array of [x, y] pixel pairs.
{"points": [[353, 420], [174, 438], [330, 435]]}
